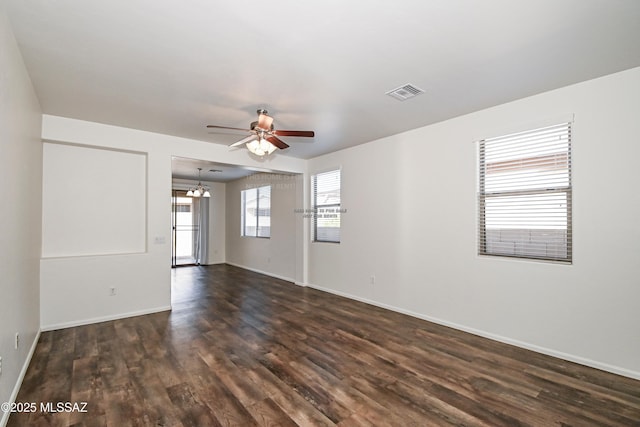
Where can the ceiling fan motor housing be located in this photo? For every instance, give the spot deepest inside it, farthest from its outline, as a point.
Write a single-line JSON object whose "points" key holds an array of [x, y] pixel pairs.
{"points": [[254, 126]]}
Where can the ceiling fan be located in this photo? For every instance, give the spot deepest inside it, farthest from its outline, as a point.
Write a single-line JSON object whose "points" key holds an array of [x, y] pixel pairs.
{"points": [[264, 138]]}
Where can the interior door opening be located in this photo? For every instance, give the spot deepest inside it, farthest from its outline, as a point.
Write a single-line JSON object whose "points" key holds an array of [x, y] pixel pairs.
{"points": [[184, 230]]}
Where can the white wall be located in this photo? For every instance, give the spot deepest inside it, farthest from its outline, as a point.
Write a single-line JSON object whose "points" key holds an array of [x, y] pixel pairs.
{"points": [[217, 217], [21, 195], [87, 209], [218, 223], [75, 289], [411, 221], [275, 256]]}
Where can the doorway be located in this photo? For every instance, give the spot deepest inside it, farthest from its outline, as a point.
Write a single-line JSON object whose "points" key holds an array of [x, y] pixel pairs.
{"points": [[184, 229]]}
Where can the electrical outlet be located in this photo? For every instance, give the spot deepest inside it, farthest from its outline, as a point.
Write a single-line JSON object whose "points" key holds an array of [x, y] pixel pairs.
{"points": [[17, 343], [372, 279], [112, 291]]}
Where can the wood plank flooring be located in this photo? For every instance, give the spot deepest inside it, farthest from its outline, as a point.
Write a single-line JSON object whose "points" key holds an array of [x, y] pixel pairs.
{"points": [[243, 349]]}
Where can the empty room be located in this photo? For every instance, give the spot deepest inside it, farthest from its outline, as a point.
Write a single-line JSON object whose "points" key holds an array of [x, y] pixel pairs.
{"points": [[317, 214]]}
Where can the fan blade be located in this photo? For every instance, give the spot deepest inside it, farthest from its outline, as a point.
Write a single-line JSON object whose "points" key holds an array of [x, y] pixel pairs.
{"points": [[265, 121], [277, 142], [242, 141], [227, 127], [305, 133]]}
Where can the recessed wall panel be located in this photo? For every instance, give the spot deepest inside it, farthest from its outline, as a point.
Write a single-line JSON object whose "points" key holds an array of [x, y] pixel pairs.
{"points": [[94, 201]]}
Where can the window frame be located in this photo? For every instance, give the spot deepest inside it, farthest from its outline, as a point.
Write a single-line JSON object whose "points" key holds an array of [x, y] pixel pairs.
{"points": [[258, 209], [316, 207], [561, 195]]}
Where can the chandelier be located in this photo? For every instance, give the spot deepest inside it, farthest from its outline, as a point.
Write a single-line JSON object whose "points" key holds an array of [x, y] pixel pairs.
{"points": [[199, 190]]}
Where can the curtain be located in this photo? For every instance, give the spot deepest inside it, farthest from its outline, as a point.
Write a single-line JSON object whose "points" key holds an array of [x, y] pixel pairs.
{"points": [[201, 230]]}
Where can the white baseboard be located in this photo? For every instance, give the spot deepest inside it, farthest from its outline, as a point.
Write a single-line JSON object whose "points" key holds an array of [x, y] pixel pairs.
{"points": [[23, 372], [528, 346], [82, 322], [266, 273]]}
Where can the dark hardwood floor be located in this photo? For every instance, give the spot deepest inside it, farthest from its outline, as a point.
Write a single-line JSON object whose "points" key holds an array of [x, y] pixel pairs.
{"points": [[240, 348]]}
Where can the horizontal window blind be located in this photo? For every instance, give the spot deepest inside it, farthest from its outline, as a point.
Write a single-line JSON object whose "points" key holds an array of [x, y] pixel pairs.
{"points": [[263, 211], [256, 212], [525, 194], [326, 206]]}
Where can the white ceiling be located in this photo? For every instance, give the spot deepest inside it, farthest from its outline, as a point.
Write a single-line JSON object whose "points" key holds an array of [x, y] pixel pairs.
{"points": [[175, 66], [183, 168]]}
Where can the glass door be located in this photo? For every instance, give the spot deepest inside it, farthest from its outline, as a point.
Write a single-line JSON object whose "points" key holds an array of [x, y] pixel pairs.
{"points": [[183, 229]]}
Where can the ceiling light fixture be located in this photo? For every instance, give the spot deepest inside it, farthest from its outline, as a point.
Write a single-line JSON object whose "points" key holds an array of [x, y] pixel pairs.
{"points": [[263, 138], [199, 190], [261, 146]]}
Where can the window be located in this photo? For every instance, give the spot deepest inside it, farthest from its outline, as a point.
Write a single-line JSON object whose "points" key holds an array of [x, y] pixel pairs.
{"points": [[325, 188], [525, 194], [256, 212], [182, 207]]}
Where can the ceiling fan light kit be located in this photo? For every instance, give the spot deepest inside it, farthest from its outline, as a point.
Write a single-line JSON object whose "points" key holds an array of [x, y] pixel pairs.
{"points": [[264, 138], [261, 147]]}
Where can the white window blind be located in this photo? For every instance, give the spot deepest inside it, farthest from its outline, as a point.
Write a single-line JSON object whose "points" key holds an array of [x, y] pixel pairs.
{"points": [[256, 212], [525, 194], [326, 206]]}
